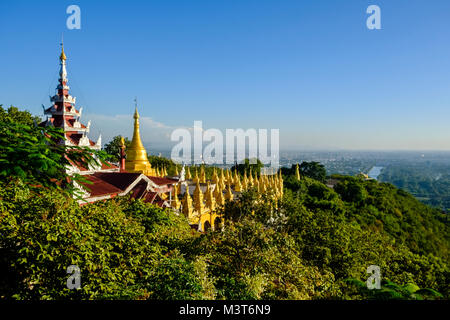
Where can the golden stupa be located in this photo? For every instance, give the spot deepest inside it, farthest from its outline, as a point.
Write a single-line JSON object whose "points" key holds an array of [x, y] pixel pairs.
{"points": [[137, 160]]}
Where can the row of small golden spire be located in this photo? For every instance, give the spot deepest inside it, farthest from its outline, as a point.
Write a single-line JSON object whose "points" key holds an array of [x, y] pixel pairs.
{"points": [[225, 181]]}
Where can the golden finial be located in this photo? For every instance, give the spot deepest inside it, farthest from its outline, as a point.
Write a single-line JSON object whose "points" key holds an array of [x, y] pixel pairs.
{"points": [[297, 173], [63, 55], [136, 113]]}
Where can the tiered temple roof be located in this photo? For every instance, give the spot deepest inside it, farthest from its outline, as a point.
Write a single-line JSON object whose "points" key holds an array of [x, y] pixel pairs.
{"points": [[63, 113]]}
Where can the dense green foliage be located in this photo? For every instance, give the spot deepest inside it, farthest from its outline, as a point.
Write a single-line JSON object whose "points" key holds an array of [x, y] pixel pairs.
{"points": [[312, 169], [13, 114], [254, 166], [121, 248], [159, 163], [34, 154], [316, 243], [384, 226], [309, 248], [428, 182], [113, 147]]}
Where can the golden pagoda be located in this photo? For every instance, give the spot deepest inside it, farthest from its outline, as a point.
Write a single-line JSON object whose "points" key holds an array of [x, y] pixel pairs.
{"points": [[237, 183], [187, 204], [280, 184], [198, 199], [250, 179], [63, 55], [255, 183], [229, 193], [215, 178], [196, 178], [137, 160], [188, 173], [261, 184], [209, 198], [229, 176], [245, 181], [175, 201], [202, 175], [297, 173], [218, 195], [222, 180]]}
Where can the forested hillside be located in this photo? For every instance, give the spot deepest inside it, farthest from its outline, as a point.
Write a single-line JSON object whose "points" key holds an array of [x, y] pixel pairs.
{"points": [[428, 182]]}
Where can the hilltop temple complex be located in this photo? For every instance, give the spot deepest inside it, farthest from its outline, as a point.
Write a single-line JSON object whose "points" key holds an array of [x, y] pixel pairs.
{"points": [[194, 196]]}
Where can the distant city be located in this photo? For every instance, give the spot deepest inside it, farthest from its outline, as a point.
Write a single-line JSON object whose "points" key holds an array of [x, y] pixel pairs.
{"points": [[424, 174]]}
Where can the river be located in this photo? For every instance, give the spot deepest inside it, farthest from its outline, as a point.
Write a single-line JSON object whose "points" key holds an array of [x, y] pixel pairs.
{"points": [[375, 172]]}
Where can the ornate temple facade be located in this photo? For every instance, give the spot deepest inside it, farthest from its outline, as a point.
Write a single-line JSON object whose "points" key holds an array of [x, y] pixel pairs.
{"points": [[63, 114], [193, 195]]}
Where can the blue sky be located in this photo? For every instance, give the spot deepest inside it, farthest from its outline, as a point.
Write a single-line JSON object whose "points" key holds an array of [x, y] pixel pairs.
{"points": [[309, 68]]}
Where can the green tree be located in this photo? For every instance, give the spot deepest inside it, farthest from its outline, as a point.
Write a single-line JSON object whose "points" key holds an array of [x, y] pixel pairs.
{"points": [[255, 166], [313, 170], [121, 256], [162, 162], [35, 156], [351, 190], [113, 147], [13, 114]]}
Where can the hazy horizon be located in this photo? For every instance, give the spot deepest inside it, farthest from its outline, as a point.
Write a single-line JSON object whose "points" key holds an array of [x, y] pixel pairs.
{"points": [[313, 70]]}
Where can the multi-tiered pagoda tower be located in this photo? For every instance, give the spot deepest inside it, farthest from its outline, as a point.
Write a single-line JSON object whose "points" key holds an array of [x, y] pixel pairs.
{"points": [[63, 114]]}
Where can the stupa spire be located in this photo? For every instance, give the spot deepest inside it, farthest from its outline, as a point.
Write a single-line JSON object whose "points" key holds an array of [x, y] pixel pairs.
{"points": [[245, 181], [175, 201], [218, 195], [209, 198], [198, 198], [137, 160], [187, 203], [202, 175], [297, 173], [229, 193]]}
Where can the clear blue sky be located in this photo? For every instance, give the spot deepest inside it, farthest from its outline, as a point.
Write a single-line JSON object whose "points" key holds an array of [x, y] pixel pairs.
{"points": [[309, 68]]}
